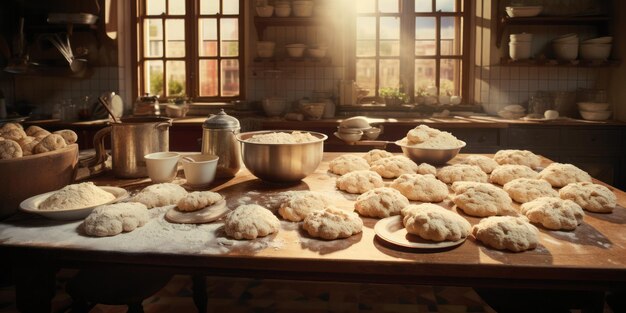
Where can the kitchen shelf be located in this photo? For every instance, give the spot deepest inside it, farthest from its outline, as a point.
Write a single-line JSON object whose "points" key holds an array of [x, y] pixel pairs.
{"points": [[261, 23], [289, 62], [560, 63]]}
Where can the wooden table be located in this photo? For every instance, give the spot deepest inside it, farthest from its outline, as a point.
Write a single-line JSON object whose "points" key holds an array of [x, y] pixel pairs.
{"points": [[593, 257]]}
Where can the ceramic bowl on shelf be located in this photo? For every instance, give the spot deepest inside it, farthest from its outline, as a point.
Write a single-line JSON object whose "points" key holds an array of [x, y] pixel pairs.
{"points": [[282, 10], [567, 38], [317, 53], [519, 50], [265, 49], [593, 106], [595, 51], [595, 116], [295, 50], [599, 40], [302, 8], [274, 106], [565, 51], [265, 11], [523, 37], [524, 11]]}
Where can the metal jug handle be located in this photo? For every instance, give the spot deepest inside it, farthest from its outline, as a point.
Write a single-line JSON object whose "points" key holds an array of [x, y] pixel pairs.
{"points": [[164, 124], [98, 144]]}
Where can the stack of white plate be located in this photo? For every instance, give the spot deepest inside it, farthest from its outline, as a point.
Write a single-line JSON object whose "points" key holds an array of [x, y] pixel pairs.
{"points": [[513, 111], [520, 46], [566, 47], [526, 11], [596, 48], [594, 111]]}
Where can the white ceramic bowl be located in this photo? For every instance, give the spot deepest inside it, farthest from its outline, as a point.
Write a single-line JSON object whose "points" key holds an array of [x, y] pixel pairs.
{"points": [[567, 38], [595, 116], [519, 50], [282, 10], [593, 106], [349, 137], [265, 49], [317, 53], [600, 40], [302, 8], [295, 50], [526, 11], [265, 11], [201, 171], [162, 166], [523, 37], [595, 51], [274, 106], [565, 51]]}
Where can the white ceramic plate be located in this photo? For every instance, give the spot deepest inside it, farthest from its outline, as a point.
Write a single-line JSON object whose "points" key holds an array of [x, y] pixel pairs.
{"points": [[31, 205], [390, 229]]}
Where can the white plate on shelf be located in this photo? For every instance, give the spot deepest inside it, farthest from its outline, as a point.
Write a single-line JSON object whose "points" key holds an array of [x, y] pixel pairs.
{"points": [[31, 205], [392, 230]]}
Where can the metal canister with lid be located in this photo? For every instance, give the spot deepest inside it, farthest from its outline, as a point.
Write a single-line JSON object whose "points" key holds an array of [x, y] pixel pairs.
{"points": [[219, 138]]}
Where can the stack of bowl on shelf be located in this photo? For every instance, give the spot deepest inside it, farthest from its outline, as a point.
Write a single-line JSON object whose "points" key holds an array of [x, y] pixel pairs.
{"points": [[265, 49], [282, 8], [299, 8], [265, 10], [596, 48], [520, 46], [594, 111], [566, 47], [302, 8], [295, 50], [513, 111], [523, 11]]}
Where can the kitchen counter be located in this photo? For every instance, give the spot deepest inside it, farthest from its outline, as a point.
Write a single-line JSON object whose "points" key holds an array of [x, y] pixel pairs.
{"points": [[593, 257]]}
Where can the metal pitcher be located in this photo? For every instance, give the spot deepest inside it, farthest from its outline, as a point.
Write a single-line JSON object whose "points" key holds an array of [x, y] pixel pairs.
{"points": [[131, 139], [219, 138]]}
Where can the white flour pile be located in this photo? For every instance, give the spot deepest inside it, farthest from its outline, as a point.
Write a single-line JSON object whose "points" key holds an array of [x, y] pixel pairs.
{"points": [[282, 138], [423, 136]]}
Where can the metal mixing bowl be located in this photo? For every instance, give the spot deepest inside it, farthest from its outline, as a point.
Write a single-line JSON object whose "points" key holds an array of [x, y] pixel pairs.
{"points": [[281, 162], [429, 155]]}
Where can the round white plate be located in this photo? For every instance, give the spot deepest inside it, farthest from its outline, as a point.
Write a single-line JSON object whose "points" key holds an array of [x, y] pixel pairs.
{"points": [[31, 205], [390, 229]]}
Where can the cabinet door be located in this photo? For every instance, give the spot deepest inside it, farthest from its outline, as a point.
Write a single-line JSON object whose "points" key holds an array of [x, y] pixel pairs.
{"points": [[527, 138]]}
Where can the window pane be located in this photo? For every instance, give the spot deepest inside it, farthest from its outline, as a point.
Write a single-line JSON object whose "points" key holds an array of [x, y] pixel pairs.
{"points": [[230, 78], [423, 5], [389, 73], [153, 34], [446, 5], [175, 78], [388, 6], [229, 35], [365, 6], [176, 7], [175, 38], [366, 75], [153, 75], [366, 36], [424, 74], [155, 7], [389, 36], [208, 37], [230, 6], [208, 78], [449, 44], [210, 6], [425, 36], [450, 76]]}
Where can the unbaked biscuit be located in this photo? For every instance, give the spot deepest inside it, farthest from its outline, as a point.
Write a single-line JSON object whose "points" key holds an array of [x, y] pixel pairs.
{"points": [[332, 223], [113, 219], [159, 195], [524, 190], [359, 181], [347, 163], [197, 200], [36, 131], [481, 199], [381, 202], [28, 143], [561, 174], [485, 163], [250, 221], [591, 197], [9, 126], [518, 157], [50, 143], [69, 136], [506, 232], [426, 168], [421, 133], [296, 207], [553, 213], [506, 173], [375, 155], [432, 222], [14, 134], [425, 188], [394, 166], [10, 149], [461, 172]]}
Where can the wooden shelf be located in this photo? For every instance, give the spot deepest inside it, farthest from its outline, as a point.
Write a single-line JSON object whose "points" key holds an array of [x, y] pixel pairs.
{"points": [[290, 62], [261, 23], [560, 63]]}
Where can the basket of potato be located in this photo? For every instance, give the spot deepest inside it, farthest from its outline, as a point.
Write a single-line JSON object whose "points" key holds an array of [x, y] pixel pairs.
{"points": [[34, 161]]}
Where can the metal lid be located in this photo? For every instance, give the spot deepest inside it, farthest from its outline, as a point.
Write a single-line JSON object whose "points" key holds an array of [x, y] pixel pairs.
{"points": [[221, 120]]}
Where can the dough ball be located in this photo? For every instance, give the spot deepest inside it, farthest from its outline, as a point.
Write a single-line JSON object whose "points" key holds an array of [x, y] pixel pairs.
{"points": [[381, 202], [332, 223], [425, 188], [394, 166], [523, 190], [359, 181], [435, 223], [591, 197], [506, 173], [348, 163], [14, 134], [27, 144], [426, 168], [554, 213], [50, 143], [159, 195], [461, 172], [36, 131], [518, 157], [69, 136], [421, 133], [9, 126], [250, 221], [506, 232], [375, 155], [76, 196], [485, 163], [299, 205], [197, 200], [560, 174], [481, 199], [10, 149], [113, 219]]}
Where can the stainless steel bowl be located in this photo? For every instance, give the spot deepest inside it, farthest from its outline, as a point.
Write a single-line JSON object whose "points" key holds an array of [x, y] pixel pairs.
{"points": [[429, 155], [281, 163]]}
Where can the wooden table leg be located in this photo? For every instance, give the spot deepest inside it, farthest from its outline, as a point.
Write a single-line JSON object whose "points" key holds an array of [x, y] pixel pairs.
{"points": [[200, 296], [34, 287]]}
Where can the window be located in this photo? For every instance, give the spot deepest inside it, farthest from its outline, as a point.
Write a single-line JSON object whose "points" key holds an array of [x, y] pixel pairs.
{"points": [[412, 44], [191, 48]]}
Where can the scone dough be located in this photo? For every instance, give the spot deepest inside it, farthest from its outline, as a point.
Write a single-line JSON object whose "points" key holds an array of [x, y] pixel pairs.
{"points": [[425, 188], [506, 173], [36, 131], [426, 168], [421, 133], [299, 205], [14, 134], [553, 213], [506, 232], [160, 195], [485, 163], [10, 149], [481, 199], [250, 221], [561, 174], [518, 157], [523, 190], [591, 197], [375, 155], [381, 202], [76, 196], [394, 166], [113, 219], [347, 163], [68, 135], [332, 223], [461, 172], [435, 223], [50, 143], [359, 181], [207, 214], [197, 200]]}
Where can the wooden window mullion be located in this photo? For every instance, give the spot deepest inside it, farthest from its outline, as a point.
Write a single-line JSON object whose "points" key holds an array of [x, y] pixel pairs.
{"points": [[377, 53]]}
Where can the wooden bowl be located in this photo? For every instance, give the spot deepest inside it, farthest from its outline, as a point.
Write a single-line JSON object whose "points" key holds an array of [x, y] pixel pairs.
{"points": [[35, 174]]}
